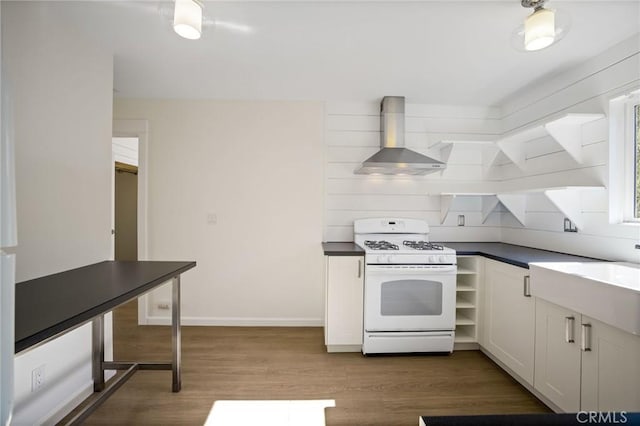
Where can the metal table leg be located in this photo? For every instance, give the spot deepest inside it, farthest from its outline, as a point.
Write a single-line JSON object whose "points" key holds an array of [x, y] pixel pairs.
{"points": [[97, 352], [175, 334]]}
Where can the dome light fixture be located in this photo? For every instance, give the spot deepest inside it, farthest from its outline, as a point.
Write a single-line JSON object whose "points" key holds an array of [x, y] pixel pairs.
{"points": [[187, 19], [541, 29]]}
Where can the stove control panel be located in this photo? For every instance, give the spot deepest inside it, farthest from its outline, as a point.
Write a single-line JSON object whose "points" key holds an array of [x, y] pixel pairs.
{"points": [[411, 259]]}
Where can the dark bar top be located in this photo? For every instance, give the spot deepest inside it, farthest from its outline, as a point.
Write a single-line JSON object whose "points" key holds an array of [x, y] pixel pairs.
{"points": [[49, 305], [565, 419], [515, 255], [342, 249]]}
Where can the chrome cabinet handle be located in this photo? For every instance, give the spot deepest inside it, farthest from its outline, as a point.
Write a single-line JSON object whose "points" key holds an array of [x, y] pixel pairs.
{"points": [[359, 268], [586, 337], [527, 286], [568, 329]]}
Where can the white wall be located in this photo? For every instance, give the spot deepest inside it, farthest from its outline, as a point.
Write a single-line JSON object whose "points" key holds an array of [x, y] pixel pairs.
{"points": [[353, 135], [62, 95], [257, 169], [586, 88]]}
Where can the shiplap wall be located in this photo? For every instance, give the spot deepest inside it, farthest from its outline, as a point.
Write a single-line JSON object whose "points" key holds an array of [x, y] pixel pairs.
{"points": [[353, 134], [587, 88]]}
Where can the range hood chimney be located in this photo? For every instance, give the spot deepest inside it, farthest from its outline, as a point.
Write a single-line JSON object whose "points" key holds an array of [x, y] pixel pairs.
{"points": [[393, 158]]}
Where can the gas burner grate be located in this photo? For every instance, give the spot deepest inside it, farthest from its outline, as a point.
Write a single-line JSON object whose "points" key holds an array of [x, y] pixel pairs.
{"points": [[381, 245], [422, 245]]}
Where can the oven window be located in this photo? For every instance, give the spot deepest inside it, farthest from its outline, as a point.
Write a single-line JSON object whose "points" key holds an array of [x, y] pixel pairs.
{"points": [[411, 297]]}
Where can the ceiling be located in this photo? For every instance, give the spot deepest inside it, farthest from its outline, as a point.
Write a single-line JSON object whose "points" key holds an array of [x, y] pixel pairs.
{"points": [[447, 52]]}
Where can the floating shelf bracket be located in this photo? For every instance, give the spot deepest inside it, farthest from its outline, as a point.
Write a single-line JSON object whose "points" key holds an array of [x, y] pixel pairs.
{"points": [[489, 203], [516, 204], [567, 131], [569, 202], [490, 154], [445, 204]]}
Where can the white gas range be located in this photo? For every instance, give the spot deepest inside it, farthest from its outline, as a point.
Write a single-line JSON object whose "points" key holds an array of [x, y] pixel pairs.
{"points": [[409, 290]]}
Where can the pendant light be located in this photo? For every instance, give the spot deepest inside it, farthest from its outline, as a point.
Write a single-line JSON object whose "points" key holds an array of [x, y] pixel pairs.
{"points": [[541, 29], [187, 19]]}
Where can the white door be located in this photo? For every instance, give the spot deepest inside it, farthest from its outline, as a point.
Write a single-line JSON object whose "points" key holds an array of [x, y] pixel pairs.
{"points": [[557, 355], [509, 318], [411, 299], [610, 368]]}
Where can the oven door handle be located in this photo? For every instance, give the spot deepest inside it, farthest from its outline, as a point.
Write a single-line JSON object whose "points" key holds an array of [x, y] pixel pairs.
{"points": [[405, 334]]}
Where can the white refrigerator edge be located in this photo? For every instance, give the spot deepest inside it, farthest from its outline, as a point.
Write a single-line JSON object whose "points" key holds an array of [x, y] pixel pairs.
{"points": [[8, 240]]}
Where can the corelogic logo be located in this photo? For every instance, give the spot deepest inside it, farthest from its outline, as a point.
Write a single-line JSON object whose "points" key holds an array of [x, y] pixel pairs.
{"points": [[602, 417]]}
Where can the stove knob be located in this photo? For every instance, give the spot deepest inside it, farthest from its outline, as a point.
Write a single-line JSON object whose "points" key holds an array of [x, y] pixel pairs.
{"points": [[380, 259], [389, 259], [432, 259], [442, 259]]}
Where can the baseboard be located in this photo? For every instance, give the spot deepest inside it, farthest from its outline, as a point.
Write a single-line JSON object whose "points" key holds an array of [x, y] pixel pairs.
{"points": [[523, 382], [465, 346], [66, 406], [344, 348], [239, 322]]}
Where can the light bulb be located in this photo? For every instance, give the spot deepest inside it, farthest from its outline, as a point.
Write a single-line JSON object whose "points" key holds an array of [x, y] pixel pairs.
{"points": [[187, 19], [539, 29]]}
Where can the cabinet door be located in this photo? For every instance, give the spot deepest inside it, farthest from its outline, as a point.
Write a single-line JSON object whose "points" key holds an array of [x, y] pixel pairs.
{"points": [[344, 300], [610, 368], [509, 318], [557, 355]]}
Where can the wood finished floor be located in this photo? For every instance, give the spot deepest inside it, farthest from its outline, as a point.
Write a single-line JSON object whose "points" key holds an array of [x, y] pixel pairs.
{"points": [[247, 363]]}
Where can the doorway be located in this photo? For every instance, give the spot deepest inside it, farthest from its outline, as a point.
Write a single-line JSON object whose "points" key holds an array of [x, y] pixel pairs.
{"points": [[125, 211], [129, 149]]}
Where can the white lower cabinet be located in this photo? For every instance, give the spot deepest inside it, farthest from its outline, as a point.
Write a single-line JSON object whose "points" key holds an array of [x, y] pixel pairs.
{"points": [[610, 368], [584, 364], [557, 355], [344, 303], [509, 318]]}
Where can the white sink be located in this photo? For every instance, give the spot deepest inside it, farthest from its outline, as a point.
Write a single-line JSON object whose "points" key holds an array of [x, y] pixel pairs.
{"points": [[606, 291]]}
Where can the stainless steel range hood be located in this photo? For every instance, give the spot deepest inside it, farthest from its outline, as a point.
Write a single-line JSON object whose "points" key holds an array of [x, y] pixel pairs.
{"points": [[393, 158]]}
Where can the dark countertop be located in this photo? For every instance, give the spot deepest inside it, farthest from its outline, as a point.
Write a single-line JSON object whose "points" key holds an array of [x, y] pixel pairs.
{"points": [[342, 249], [542, 419], [50, 305], [515, 255], [509, 253]]}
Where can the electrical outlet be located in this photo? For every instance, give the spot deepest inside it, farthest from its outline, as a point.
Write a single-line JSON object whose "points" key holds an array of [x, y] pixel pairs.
{"points": [[164, 305], [569, 226], [37, 378], [212, 218], [460, 220]]}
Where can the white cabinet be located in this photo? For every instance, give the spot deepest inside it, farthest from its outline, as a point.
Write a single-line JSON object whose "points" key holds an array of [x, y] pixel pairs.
{"points": [[509, 318], [557, 355], [467, 297], [344, 303], [584, 364], [610, 368]]}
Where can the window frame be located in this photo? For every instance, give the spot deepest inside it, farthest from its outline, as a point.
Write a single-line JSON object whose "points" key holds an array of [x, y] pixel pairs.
{"points": [[622, 160], [631, 192]]}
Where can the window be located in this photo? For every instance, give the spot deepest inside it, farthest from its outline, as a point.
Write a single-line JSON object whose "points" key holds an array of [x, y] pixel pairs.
{"points": [[624, 159], [636, 141]]}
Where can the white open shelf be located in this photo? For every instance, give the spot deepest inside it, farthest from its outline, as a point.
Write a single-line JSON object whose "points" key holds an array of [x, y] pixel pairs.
{"points": [[566, 130], [467, 299], [565, 198]]}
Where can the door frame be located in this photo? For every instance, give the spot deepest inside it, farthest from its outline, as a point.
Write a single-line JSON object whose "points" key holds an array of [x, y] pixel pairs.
{"points": [[140, 130]]}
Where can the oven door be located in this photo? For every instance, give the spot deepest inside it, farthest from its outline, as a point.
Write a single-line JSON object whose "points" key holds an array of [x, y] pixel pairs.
{"points": [[410, 297]]}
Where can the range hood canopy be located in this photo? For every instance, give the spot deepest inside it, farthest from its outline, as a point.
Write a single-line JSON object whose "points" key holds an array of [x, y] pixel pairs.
{"points": [[393, 158]]}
